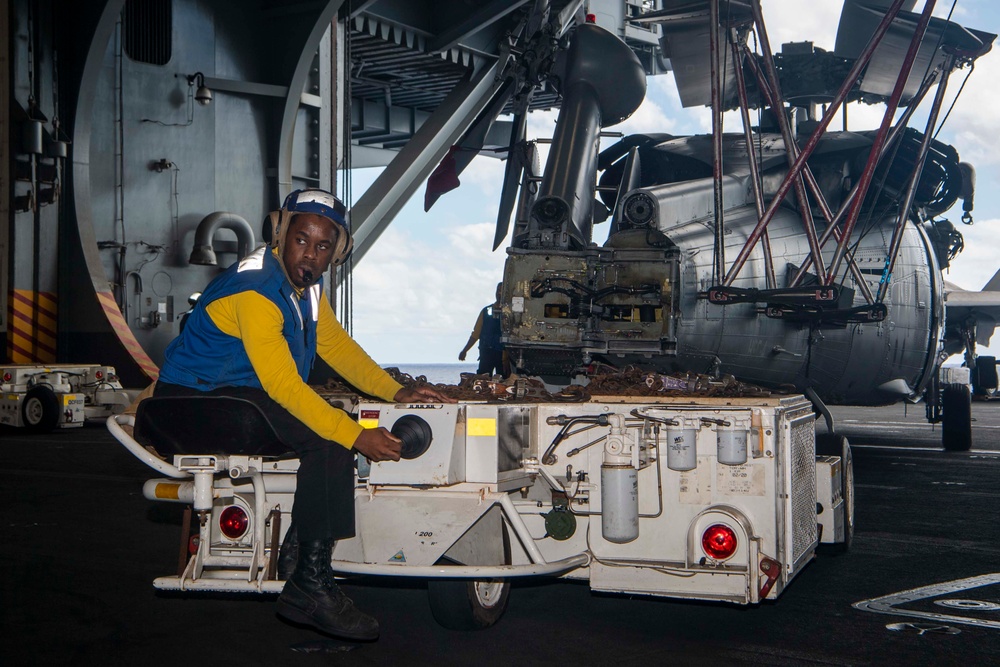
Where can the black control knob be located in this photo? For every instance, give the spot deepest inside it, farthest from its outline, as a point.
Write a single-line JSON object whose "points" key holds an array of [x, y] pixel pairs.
{"points": [[415, 433]]}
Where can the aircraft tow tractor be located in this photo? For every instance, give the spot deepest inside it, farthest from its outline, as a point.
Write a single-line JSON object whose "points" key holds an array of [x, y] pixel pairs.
{"points": [[42, 398], [690, 497]]}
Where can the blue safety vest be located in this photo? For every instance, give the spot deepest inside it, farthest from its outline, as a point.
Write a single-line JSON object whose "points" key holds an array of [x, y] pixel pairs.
{"points": [[489, 335], [203, 357]]}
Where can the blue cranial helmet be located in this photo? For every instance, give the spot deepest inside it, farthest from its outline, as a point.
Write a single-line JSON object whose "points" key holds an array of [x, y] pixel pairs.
{"points": [[317, 201]]}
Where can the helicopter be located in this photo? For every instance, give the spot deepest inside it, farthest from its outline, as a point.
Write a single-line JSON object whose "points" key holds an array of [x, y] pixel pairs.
{"points": [[786, 254]]}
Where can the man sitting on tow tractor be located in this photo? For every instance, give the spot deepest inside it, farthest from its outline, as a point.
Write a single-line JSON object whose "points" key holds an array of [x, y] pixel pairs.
{"points": [[255, 335]]}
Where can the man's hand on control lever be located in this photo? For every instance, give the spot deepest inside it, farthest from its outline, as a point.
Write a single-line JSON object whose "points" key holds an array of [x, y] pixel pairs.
{"points": [[378, 444], [422, 394]]}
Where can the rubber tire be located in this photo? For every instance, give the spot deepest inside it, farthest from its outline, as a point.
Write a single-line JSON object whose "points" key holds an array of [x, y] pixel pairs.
{"points": [[832, 444], [458, 604], [984, 376], [956, 418], [40, 410]]}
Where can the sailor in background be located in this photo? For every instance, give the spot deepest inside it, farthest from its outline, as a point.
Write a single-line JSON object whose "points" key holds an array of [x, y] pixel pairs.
{"points": [[254, 335], [487, 332]]}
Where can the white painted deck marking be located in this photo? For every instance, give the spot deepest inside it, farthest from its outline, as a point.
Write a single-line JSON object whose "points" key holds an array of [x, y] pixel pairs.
{"points": [[905, 425], [887, 604]]}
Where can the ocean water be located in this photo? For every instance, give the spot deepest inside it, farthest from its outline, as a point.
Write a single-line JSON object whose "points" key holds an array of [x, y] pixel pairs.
{"points": [[437, 373]]}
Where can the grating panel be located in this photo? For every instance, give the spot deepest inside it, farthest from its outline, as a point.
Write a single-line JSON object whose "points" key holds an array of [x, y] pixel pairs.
{"points": [[803, 460], [394, 65], [147, 29]]}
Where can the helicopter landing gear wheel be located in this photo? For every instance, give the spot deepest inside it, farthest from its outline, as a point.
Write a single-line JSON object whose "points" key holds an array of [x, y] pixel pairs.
{"points": [[956, 419]]}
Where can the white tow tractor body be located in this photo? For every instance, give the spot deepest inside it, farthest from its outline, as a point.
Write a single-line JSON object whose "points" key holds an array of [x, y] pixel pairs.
{"points": [[697, 498]]}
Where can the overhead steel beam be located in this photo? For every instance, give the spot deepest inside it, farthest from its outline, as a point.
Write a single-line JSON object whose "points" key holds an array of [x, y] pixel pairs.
{"points": [[358, 7], [294, 97], [244, 87], [393, 188], [475, 22]]}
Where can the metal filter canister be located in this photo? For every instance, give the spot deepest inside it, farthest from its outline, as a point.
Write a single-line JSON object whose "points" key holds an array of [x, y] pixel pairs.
{"points": [[732, 444], [682, 448], [619, 503]]}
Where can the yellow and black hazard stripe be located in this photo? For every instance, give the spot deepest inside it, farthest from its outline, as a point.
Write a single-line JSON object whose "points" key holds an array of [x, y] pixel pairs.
{"points": [[31, 333], [125, 335]]}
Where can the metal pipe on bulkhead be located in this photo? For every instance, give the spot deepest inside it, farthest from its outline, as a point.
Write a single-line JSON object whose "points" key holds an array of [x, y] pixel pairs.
{"points": [[204, 253]]}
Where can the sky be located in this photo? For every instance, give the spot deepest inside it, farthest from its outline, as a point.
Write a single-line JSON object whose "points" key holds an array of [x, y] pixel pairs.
{"points": [[419, 289]]}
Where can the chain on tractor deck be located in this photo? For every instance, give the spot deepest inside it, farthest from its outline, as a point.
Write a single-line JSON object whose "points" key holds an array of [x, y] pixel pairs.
{"points": [[630, 381]]}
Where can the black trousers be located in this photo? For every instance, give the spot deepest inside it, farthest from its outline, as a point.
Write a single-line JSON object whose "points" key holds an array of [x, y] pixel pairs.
{"points": [[490, 361], [324, 492]]}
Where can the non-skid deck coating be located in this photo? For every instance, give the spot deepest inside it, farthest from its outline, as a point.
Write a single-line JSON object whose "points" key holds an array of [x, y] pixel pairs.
{"points": [[80, 547]]}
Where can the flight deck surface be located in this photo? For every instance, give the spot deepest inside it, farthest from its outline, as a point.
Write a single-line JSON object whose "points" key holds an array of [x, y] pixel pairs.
{"points": [[82, 546]]}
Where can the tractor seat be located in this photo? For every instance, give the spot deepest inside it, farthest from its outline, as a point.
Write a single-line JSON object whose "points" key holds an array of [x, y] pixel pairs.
{"points": [[206, 425]]}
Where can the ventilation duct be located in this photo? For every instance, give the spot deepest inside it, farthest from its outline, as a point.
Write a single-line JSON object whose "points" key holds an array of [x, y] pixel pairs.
{"points": [[203, 252]]}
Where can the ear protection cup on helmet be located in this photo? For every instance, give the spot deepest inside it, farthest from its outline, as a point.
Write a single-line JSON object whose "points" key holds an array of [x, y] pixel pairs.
{"points": [[274, 221], [342, 246]]}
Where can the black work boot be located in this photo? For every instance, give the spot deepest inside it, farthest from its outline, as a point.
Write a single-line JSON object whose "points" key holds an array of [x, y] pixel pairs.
{"points": [[312, 597], [288, 554]]}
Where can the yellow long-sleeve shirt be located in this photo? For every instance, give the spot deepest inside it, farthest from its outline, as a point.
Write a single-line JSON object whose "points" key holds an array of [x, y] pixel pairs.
{"points": [[257, 322]]}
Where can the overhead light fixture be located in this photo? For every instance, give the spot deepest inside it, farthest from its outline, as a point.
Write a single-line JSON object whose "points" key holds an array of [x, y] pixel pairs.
{"points": [[202, 94]]}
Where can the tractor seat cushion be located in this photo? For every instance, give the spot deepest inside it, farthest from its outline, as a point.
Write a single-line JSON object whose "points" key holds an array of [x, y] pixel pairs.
{"points": [[206, 425]]}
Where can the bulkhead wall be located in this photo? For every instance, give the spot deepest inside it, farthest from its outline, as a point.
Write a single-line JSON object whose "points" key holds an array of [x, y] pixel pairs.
{"points": [[150, 162]]}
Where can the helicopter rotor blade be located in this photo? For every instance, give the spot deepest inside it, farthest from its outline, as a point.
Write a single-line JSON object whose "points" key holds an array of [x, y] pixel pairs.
{"points": [[630, 181], [511, 178], [445, 176]]}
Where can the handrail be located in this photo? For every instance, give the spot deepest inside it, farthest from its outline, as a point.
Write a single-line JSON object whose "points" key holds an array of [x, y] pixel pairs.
{"points": [[115, 423], [464, 571]]}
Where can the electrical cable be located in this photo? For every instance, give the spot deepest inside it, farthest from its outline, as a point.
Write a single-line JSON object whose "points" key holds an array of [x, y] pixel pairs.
{"points": [[346, 270], [190, 112], [872, 220], [972, 68], [120, 166]]}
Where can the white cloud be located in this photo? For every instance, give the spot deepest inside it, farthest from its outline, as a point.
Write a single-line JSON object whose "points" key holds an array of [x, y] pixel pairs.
{"points": [[416, 301], [649, 117], [542, 124], [665, 87], [959, 14], [485, 173], [978, 261], [789, 21], [973, 125]]}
